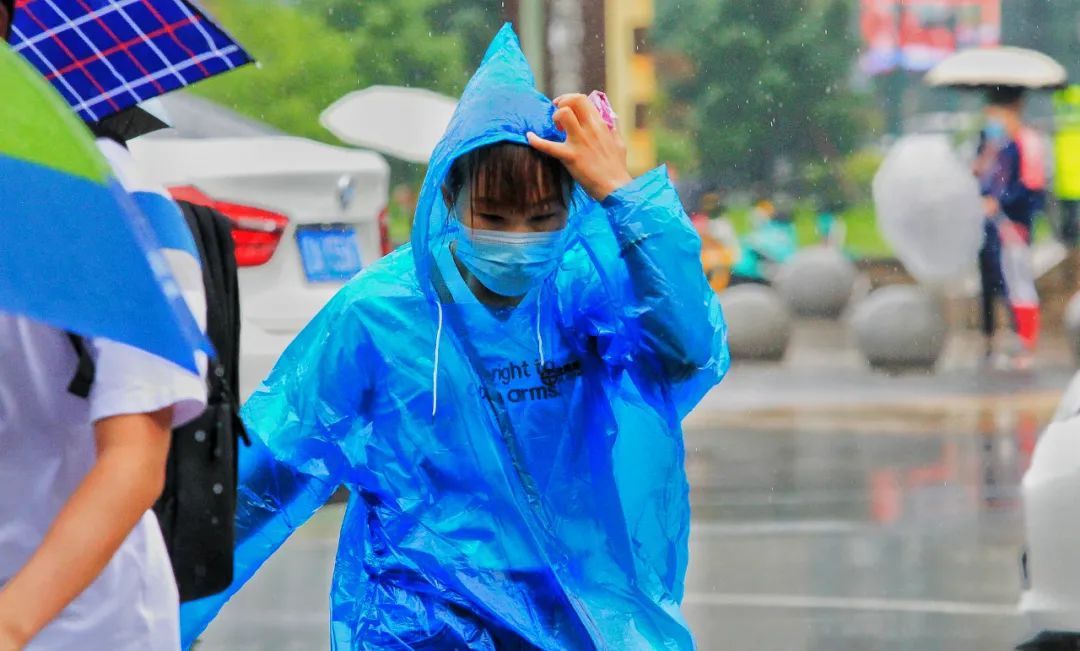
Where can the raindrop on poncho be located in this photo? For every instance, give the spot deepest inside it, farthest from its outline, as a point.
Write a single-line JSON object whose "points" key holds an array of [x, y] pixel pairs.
{"points": [[555, 515]]}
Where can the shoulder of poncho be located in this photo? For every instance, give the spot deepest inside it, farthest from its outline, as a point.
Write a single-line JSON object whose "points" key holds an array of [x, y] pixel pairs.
{"points": [[389, 281]]}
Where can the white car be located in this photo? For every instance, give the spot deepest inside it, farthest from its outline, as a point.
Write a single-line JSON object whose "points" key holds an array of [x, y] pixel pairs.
{"points": [[1051, 562], [307, 217]]}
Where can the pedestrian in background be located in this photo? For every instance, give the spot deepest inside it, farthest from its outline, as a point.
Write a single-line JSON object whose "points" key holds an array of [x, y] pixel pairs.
{"points": [[830, 226], [1012, 176], [1067, 172], [719, 242]]}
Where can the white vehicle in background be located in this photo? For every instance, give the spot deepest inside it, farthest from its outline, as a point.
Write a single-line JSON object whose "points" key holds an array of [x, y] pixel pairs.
{"points": [[1051, 561], [306, 218]]}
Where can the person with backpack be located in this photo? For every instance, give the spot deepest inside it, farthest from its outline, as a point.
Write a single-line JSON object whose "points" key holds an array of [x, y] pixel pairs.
{"points": [[84, 436], [503, 398], [1012, 177], [197, 506]]}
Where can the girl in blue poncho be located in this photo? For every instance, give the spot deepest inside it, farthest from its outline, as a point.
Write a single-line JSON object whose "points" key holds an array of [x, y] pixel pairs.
{"points": [[502, 397]]}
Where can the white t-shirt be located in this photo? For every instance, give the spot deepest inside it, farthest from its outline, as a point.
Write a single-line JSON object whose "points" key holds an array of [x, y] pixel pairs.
{"points": [[47, 447]]}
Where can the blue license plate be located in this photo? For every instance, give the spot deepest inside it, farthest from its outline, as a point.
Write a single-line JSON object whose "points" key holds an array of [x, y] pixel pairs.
{"points": [[329, 254]]}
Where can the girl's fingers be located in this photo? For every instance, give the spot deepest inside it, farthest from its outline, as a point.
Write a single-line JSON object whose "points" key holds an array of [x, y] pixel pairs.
{"points": [[587, 114], [567, 121], [619, 141], [557, 150]]}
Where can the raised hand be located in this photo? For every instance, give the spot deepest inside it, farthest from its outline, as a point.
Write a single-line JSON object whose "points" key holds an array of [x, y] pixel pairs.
{"points": [[594, 154]]}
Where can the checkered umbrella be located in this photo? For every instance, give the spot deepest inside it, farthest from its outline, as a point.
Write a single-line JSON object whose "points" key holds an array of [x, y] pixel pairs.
{"points": [[107, 55]]}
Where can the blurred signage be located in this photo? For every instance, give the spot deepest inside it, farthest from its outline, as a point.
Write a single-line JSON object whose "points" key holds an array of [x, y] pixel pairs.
{"points": [[918, 34]]}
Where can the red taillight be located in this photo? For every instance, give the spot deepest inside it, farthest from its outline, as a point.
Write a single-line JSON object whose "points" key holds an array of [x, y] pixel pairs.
{"points": [[384, 232], [257, 232]]}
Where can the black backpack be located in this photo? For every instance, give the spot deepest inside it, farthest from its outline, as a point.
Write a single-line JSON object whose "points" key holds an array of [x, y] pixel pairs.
{"points": [[197, 508]]}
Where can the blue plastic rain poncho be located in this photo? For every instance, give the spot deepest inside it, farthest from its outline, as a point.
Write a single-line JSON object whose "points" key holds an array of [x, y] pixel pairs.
{"points": [[516, 476]]}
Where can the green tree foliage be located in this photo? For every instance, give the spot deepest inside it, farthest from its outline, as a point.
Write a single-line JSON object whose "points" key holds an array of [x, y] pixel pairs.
{"points": [[311, 52], [1050, 27], [396, 42], [302, 68], [767, 80], [473, 23]]}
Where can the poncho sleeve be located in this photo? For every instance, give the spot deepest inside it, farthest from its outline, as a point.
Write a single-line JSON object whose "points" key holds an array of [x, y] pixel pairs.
{"points": [[652, 311], [312, 402]]}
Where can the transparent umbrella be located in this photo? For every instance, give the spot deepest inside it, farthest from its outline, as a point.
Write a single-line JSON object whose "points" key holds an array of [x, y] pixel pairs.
{"points": [[929, 209]]}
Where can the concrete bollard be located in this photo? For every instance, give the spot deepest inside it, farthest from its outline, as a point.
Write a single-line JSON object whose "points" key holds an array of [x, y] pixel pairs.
{"points": [[817, 282], [1072, 325], [900, 328], [759, 326]]}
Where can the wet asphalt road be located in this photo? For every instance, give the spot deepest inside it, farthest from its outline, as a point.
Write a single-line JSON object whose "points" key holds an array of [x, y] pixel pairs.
{"points": [[858, 526], [815, 541]]}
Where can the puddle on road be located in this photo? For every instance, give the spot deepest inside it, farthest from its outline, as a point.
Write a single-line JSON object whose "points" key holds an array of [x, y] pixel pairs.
{"points": [[953, 415], [868, 464], [828, 511]]}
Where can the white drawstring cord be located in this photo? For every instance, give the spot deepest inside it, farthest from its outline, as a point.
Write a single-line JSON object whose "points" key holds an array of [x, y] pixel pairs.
{"points": [[539, 337], [435, 372]]}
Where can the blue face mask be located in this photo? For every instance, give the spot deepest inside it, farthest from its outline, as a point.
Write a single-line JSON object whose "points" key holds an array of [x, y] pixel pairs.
{"points": [[995, 131], [509, 264]]}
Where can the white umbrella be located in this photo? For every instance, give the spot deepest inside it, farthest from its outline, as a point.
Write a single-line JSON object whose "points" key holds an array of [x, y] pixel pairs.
{"points": [[405, 123], [998, 66], [929, 209]]}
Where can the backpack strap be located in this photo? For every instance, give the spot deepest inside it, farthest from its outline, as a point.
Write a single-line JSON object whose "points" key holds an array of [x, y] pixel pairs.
{"points": [[212, 233], [85, 371]]}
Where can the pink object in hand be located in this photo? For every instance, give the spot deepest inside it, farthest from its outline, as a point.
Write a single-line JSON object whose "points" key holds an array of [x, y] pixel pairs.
{"points": [[600, 101]]}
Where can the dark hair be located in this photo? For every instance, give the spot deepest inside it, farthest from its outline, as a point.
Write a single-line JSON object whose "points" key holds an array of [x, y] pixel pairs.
{"points": [[508, 174], [1004, 95], [9, 5]]}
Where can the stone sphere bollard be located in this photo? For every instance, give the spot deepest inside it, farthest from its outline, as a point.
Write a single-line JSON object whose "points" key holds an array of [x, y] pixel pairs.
{"points": [[900, 328], [817, 282], [1072, 325], [759, 326]]}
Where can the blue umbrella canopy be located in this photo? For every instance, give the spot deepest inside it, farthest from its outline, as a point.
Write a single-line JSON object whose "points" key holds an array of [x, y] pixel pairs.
{"points": [[104, 56], [75, 252]]}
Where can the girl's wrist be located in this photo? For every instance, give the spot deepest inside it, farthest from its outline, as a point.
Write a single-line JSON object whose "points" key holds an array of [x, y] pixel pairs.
{"points": [[602, 190]]}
